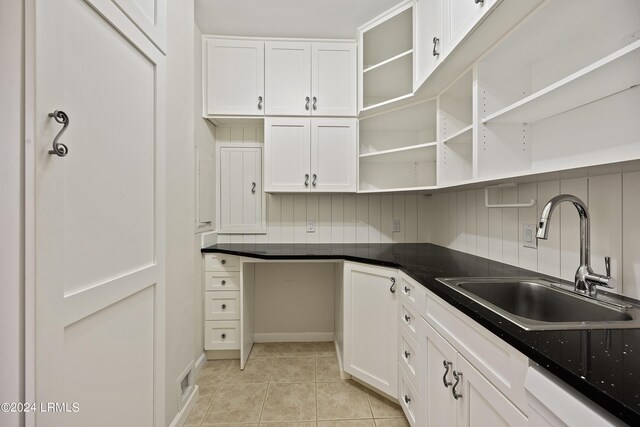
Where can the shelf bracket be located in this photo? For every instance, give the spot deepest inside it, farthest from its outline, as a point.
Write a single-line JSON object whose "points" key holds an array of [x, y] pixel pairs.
{"points": [[531, 203]]}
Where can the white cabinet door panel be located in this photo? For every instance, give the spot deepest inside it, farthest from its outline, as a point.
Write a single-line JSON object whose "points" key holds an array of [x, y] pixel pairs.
{"points": [[440, 359], [427, 24], [288, 78], [286, 145], [333, 83], [459, 18], [333, 155], [234, 78]]}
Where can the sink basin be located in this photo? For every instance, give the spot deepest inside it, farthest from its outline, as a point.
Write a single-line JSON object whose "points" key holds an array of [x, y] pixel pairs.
{"points": [[535, 304]]}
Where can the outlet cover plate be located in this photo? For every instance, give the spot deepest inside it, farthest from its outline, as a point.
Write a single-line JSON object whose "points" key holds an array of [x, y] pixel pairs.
{"points": [[529, 236], [311, 226], [396, 225]]}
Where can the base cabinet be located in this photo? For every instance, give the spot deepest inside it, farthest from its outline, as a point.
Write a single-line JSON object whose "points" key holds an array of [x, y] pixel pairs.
{"points": [[371, 326]]}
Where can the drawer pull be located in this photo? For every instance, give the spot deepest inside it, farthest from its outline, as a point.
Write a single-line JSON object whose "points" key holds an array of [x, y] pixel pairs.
{"points": [[392, 289], [406, 399], [458, 377], [223, 262], [406, 354], [447, 365], [407, 290], [224, 306], [223, 336], [407, 318], [224, 282]]}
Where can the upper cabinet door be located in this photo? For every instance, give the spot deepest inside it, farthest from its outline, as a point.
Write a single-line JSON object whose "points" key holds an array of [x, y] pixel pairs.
{"points": [[333, 79], [234, 77], [288, 78], [286, 160], [459, 19], [333, 155], [427, 37]]}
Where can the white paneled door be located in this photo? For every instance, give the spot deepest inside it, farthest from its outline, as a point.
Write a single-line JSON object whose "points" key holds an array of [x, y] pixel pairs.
{"points": [[95, 217], [334, 155]]}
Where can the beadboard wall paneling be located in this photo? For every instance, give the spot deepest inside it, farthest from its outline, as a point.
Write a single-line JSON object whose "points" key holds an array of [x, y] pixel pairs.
{"points": [[463, 222]]}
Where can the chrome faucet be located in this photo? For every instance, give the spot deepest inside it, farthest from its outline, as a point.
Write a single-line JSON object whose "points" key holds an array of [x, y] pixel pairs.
{"points": [[586, 280]]}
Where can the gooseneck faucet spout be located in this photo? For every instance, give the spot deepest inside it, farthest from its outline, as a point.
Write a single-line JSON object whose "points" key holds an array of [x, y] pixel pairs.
{"points": [[585, 279]]}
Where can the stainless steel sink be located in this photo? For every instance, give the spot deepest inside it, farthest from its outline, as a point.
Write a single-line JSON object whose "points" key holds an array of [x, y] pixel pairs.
{"points": [[535, 304]]}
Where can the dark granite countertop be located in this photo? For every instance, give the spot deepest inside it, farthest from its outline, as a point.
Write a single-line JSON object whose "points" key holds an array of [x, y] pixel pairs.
{"points": [[604, 365]]}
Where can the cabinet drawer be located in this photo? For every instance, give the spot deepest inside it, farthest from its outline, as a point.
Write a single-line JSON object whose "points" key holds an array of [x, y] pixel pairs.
{"points": [[221, 262], [501, 364], [410, 358], [222, 335], [409, 400], [409, 318], [222, 305], [222, 281], [413, 292]]}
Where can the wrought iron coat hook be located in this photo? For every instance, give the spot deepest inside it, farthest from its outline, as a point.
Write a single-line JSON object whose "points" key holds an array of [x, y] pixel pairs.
{"points": [[60, 149]]}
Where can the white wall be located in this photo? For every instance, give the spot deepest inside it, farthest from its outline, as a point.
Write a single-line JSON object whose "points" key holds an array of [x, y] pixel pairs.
{"points": [[461, 221], [181, 259], [11, 208]]}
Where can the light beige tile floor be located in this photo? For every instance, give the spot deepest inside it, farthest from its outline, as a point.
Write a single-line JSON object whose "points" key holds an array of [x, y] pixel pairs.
{"points": [[288, 385]]}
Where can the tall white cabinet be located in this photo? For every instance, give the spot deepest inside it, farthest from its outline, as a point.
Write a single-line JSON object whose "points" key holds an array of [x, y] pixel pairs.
{"points": [[303, 155]]}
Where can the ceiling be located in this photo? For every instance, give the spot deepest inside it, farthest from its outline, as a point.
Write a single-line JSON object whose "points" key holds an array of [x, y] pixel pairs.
{"points": [[287, 18]]}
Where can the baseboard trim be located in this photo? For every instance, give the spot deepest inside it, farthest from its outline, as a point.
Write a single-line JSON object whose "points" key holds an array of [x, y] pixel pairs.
{"points": [[199, 365], [293, 337], [181, 417]]}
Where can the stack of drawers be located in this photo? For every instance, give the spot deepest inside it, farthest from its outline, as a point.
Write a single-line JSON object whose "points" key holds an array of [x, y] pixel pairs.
{"points": [[221, 302], [412, 302]]}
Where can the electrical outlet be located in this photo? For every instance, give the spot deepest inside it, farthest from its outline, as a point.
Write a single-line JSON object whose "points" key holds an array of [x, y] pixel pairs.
{"points": [[529, 232], [311, 226], [396, 225]]}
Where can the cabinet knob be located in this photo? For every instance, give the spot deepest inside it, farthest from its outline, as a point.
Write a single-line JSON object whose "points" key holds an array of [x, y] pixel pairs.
{"points": [[315, 103], [306, 105], [447, 365], [223, 262], [224, 306], [436, 42], [392, 288], [259, 103], [407, 318], [406, 354], [223, 336], [406, 399], [458, 377], [224, 282]]}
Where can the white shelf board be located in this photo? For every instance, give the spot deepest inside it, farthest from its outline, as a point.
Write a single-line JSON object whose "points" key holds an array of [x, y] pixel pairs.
{"points": [[398, 150], [415, 154], [373, 107], [459, 136], [399, 189], [387, 61], [610, 75]]}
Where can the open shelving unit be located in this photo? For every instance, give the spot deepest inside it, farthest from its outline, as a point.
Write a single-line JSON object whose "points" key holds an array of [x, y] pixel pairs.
{"points": [[568, 97], [386, 58], [398, 149]]}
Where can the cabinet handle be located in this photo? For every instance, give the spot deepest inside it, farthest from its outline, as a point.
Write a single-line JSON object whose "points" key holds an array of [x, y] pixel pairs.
{"points": [[58, 148], [406, 354], [259, 103], [306, 105], [223, 336], [447, 365], [315, 178], [224, 306], [407, 290], [479, 1], [306, 179], [407, 318], [406, 399], [392, 289], [253, 188], [436, 42], [315, 103], [224, 282], [458, 377], [223, 262]]}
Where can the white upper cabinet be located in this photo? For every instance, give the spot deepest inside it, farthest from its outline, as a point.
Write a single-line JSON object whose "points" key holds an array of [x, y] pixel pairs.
{"points": [[288, 78], [234, 77], [241, 201], [459, 18], [333, 79], [427, 36], [303, 79], [304, 154]]}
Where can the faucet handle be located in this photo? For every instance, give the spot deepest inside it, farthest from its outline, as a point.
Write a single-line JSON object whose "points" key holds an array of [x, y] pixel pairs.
{"points": [[607, 265]]}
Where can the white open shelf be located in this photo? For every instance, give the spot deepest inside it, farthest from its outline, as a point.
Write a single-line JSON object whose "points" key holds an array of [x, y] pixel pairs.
{"points": [[388, 38], [389, 81], [615, 73], [411, 154], [387, 61], [463, 134], [456, 107]]}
